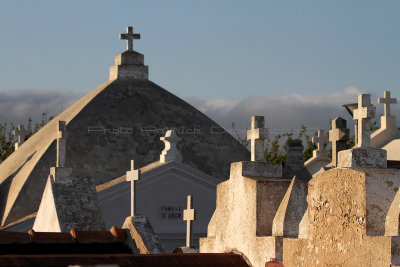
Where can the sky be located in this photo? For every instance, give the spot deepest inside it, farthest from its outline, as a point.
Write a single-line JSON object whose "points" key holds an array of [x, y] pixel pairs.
{"points": [[296, 62]]}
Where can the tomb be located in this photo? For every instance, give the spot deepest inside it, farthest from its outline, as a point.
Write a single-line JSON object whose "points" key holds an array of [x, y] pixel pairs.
{"points": [[352, 216], [121, 119]]}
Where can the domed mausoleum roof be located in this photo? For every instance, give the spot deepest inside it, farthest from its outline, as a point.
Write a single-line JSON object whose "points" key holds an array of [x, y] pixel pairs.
{"points": [[120, 120]]}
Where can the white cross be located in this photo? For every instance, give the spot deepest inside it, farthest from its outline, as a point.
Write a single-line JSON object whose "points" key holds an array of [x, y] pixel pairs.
{"points": [[170, 151], [386, 100], [61, 142], [129, 37], [189, 215], [363, 114], [21, 133], [338, 135], [257, 134], [132, 176], [320, 140]]}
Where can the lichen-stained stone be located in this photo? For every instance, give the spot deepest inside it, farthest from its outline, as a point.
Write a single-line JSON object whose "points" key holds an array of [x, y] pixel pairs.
{"points": [[350, 220], [242, 221], [122, 119]]}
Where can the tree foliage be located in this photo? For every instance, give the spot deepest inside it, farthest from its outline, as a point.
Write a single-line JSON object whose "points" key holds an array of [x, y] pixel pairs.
{"points": [[8, 139]]}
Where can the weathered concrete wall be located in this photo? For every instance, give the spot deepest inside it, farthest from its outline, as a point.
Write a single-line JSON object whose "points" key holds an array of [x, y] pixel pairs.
{"points": [[344, 206], [243, 217]]}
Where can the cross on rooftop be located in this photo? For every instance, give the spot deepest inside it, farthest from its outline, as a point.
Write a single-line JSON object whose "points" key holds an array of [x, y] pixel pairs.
{"points": [[61, 142], [129, 36], [338, 136], [170, 152], [132, 176], [189, 215], [363, 114], [320, 140], [387, 101], [257, 134], [21, 133]]}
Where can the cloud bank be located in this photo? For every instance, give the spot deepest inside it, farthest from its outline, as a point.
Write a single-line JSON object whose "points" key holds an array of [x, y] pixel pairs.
{"points": [[18, 105], [284, 111]]}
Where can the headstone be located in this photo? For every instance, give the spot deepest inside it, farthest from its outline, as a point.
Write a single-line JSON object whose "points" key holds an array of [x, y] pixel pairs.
{"points": [[68, 201], [320, 139], [21, 133], [362, 155], [387, 101], [189, 215], [388, 129], [61, 142], [170, 152], [257, 134], [338, 136], [363, 114], [294, 158], [132, 176]]}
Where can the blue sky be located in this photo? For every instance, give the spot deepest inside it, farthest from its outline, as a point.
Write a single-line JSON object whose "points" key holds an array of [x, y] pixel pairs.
{"points": [[207, 50]]}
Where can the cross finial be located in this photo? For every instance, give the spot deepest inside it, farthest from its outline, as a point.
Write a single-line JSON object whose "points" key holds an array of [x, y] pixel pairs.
{"points": [[363, 114], [387, 101], [21, 133], [132, 176], [170, 152], [320, 140], [257, 134], [338, 136], [61, 142], [189, 215], [129, 36]]}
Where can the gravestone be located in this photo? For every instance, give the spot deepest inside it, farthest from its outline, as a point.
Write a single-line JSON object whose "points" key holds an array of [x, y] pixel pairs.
{"points": [[21, 133], [362, 155], [338, 136], [68, 201]]}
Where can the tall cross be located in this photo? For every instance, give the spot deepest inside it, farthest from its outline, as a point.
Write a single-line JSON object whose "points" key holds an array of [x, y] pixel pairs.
{"points": [[320, 140], [21, 133], [363, 114], [338, 135], [257, 134], [129, 36], [387, 101], [189, 215], [61, 142], [132, 176]]}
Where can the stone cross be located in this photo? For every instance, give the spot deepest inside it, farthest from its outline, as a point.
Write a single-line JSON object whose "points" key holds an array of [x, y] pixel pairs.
{"points": [[387, 101], [338, 136], [363, 114], [189, 215], [320, 140], [61, 142], [129, 37], [257, 134], [170, 152], [21, 133], [132, 176]]}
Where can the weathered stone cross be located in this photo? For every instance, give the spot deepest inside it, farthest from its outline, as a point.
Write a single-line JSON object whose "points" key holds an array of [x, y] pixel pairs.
{"points": [[387, 101], [61, 142], [189, 215], [257, 134], [338, 136], [129, 37], [132, 176], [170, 152], [363, 114], [320, 140], [21, 133]]}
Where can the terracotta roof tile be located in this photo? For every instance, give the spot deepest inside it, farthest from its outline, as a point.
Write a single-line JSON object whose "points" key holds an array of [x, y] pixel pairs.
{"points": [[7, 237], [93, 236], [50, 237]]}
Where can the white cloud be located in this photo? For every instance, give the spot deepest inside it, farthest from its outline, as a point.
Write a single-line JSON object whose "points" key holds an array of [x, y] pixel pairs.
{"points": [[284, 111], [18, 105]]}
